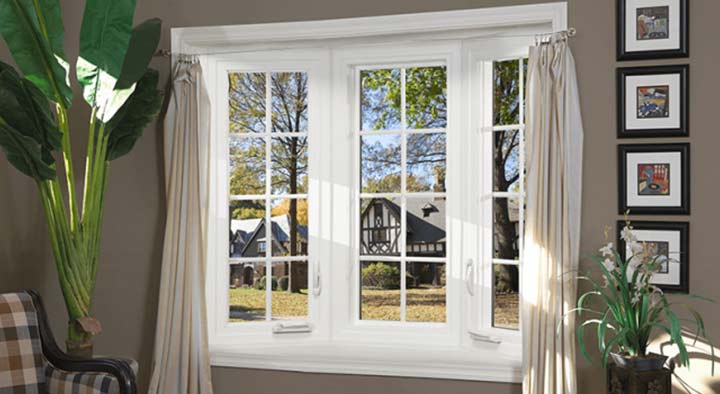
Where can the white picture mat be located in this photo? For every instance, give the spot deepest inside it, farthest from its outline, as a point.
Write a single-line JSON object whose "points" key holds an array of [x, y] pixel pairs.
{"points": [[632, 82], [674, 199], [673, 40], [672, 237]]}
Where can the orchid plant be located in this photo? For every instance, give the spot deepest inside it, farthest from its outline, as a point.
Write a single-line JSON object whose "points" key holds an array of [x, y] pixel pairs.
{"points": [[632, 307]]}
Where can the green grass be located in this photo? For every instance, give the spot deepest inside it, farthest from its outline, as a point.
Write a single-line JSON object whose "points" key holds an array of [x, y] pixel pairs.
{"points": [[425, 304], [247, 304]]}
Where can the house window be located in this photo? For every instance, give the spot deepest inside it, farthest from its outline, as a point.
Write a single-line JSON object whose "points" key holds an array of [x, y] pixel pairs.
{"points": [[268, 189], [401, 138], [370, 175]]}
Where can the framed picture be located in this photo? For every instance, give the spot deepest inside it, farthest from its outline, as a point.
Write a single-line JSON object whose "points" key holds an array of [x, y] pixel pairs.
{"points": [[669, 242], [654, 179], [653, 101], [652, 29]]}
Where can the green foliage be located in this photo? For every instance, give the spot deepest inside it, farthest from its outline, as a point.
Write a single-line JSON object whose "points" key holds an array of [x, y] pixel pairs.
{"points": [[28, 132], [262, 283], [33, 31], [101, 60], [283, 283], [143, 43], [506, 92], [130, 121], [632, 308], [112, 70], [381, 276]]}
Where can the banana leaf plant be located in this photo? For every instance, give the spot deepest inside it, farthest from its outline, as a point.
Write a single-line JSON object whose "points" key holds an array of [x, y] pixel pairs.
{"points": [[121, 90], [630, 309]]}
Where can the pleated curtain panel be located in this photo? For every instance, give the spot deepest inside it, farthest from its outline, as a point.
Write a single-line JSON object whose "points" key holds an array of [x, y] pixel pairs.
{"points": [[181, 363], [552, 227]]}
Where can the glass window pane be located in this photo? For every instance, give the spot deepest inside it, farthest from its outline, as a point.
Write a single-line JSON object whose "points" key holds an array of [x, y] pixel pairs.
{"points": [[247, 166], [506, 161], [380, 163], [426, 97], [425, 292], [380, 291], [380, 98], [247, 294], [506, 299], [380, 227], [290, 227], [290, 290], [289, 102], [426, 162], [506, 92], [506, 230], [426, 223], [289, 164], [247, 233], [247, 102]]}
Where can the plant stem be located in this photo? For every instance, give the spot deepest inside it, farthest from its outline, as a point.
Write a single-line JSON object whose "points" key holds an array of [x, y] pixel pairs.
{"points": [[69, 174]]}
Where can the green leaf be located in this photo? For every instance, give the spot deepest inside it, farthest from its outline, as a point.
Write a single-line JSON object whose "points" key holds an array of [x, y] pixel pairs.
{"points": [[24, 153], [33, 31], [30, 132], [126, 127], [676, 337], [143, 44], [141, 49], [104, 38], [614, 341]]}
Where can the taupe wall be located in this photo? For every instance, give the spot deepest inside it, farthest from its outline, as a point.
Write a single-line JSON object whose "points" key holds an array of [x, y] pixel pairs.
{"points": [[131, 251]]}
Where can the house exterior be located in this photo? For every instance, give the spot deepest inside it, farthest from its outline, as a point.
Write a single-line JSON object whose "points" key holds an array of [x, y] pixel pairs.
{"points": [[248, 239], [380, 235]]}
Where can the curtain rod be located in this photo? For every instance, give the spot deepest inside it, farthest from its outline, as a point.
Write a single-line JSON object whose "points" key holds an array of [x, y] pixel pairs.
{"points": [[569, 33]]}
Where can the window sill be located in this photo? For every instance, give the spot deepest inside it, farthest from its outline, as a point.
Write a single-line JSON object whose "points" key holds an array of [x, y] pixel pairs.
{"points": [[484, 363]]}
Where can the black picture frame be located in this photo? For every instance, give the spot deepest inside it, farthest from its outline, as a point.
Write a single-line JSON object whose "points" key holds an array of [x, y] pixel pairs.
{"points": [[625, 208], [681, 52], [684, 229], [683, 70]]}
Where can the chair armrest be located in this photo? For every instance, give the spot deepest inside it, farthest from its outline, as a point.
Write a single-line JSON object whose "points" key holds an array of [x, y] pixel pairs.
{"points": [[61, 361], [66, 366]]}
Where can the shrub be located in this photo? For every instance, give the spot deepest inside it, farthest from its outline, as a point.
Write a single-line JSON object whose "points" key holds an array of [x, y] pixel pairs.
{"points": [[260, 285], [381, 276], [283, 283]]}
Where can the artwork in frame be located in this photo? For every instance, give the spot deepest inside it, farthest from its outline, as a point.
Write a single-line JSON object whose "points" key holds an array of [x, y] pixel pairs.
{"points": [[653, 101], [652, 29], [654, 179], [669, 243]]}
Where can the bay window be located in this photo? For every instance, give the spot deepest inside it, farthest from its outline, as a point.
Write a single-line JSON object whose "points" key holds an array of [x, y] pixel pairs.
{"points": [[368, 194]]}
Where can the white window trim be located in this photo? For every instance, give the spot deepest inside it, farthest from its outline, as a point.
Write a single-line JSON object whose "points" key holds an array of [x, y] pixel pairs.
{"points": [[324, 351]]}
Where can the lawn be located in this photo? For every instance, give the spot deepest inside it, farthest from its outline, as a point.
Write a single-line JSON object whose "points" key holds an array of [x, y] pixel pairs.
{"points": [[247, 304], [425, 304]]}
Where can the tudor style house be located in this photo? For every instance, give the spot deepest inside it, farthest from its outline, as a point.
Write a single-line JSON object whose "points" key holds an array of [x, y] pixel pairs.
{"points": [[425, 235]]}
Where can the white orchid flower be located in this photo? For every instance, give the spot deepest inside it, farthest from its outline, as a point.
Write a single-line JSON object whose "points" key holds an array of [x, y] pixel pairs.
{"points": [[609, 264], [627, 235], [607, 250]]}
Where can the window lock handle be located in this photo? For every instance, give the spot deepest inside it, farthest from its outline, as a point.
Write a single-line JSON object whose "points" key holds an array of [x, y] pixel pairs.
{"points": [[317, 286], [470, 276]]}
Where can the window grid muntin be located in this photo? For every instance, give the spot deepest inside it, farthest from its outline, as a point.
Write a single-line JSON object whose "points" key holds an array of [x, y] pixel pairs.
{"points": [[267, 135], [520, 195], [403, 195]]}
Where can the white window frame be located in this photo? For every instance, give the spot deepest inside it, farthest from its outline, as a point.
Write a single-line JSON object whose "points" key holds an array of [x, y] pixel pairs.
{"points": [[345, 345]]}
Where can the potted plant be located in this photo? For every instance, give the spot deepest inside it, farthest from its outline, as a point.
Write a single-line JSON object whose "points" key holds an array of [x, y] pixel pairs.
{"points": [[112, 69], [629, 310]]}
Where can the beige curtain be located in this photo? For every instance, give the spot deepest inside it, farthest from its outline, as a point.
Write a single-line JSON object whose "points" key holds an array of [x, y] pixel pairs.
{"points": [[181, 362], [552, 234]]}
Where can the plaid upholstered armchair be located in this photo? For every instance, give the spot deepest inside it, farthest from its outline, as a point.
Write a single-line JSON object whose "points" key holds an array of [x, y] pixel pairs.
{"points": [[32, 363]]}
